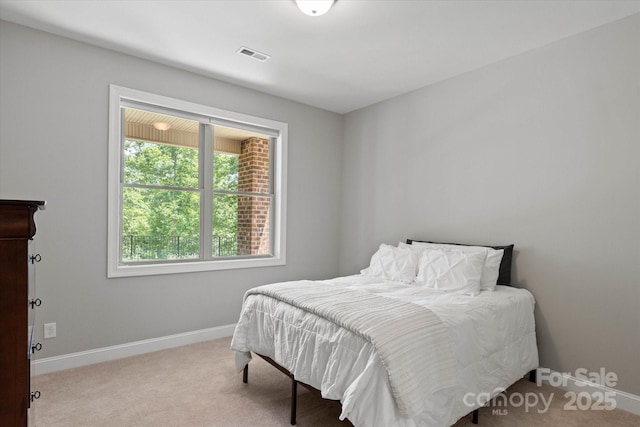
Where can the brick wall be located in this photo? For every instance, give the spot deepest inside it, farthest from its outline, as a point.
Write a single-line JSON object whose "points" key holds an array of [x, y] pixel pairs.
{"points": [[253, 212]]}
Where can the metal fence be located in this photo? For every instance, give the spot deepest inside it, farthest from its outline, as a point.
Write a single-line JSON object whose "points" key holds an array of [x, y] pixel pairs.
{"points": [[144, 248], [225, 246]]}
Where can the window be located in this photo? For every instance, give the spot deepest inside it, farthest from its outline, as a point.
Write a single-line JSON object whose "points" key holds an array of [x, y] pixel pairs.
{"points": [[192, 187]]}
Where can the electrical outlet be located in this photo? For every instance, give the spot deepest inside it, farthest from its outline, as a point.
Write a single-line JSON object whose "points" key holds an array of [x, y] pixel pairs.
{"points": [[49, 330]]}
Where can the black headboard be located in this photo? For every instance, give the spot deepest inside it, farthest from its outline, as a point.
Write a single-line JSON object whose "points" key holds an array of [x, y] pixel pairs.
{"points": [[504, 276]]}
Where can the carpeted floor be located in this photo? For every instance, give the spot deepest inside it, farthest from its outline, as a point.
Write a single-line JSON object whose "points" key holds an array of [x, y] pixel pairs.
{"points": [[197, 386]]}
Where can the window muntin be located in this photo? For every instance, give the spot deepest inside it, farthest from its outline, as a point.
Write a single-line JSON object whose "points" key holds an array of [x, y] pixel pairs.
{"points": [[205, 192]]}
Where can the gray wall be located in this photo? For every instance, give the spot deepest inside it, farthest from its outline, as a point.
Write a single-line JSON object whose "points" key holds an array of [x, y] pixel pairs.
{"points": [[541, 150], [53, 146]]}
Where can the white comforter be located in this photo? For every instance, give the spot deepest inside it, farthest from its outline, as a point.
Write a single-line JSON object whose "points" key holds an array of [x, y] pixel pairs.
{"points": [[403, 333], [492, 334]]}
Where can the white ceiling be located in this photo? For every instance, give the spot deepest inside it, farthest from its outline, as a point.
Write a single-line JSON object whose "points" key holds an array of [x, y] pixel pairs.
{"points": [[361, 52]]}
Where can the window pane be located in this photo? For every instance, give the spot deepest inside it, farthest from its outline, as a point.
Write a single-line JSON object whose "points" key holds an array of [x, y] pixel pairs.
{"points": [[225, 171], [241, 225], [253, 225], [242, 161], [254, 166], [160, 150], [160, 224], [225, 225]]}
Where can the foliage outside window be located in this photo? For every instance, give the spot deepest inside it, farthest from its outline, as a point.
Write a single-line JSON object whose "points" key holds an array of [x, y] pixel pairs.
{"points": [[192, 187]]}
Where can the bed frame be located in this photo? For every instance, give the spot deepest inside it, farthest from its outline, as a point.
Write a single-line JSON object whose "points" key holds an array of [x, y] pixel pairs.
{"points": [[294, 387], [294, 384], [504, 278]]}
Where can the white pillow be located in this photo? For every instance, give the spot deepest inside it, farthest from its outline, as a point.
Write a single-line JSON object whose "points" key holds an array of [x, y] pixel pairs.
{"points": [[451, 271], [490, 269], [391, 263], [415, 250]]}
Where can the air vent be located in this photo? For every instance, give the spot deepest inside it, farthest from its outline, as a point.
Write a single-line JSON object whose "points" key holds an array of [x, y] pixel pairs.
{"points": [[253, 54]]}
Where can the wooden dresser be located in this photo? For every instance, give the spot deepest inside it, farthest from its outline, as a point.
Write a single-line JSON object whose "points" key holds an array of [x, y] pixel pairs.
{"points": [[17, 228]]}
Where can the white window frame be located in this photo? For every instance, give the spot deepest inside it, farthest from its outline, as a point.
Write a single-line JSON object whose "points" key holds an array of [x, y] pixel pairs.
{"points": [[118, 94]]}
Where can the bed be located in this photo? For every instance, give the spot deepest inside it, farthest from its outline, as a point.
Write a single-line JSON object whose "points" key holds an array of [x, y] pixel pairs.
{"points": [[394, 345]]}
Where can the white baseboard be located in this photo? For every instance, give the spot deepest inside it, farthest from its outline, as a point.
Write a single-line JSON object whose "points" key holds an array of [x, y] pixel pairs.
{"points": [[625, 401], [89, 357]]}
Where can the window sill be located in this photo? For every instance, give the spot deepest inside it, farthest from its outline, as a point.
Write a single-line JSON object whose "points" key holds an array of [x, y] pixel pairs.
{"points": [[122, 270]]}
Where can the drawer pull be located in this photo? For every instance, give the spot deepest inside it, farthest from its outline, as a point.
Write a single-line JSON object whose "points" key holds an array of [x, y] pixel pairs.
{"points": [[35, 302], [36, 347], [35, 258], [35, 395]]}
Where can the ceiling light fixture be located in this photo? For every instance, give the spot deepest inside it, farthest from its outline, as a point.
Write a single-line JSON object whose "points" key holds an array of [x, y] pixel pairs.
{"points": [[161, 126], [314, 7]]}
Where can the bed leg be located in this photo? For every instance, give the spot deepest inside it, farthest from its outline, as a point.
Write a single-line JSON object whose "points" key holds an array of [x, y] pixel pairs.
{"points": [[294, 399], [533, 375], [245, 374], [474, 417]]}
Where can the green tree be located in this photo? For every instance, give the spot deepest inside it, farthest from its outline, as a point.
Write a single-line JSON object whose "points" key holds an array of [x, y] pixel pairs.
{"points": [[225, 206], [165, 222], [160, 223]]}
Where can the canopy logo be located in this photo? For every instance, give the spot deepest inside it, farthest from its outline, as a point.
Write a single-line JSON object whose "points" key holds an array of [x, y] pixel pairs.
{"points": [[594, 399], [501, 402]]}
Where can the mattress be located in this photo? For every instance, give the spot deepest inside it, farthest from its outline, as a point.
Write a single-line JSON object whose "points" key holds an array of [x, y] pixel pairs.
{"points": [[492, 336]]}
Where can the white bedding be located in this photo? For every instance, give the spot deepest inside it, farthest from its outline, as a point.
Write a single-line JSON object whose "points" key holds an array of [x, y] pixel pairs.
{"points": [[403, 334], [492, 335]]}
